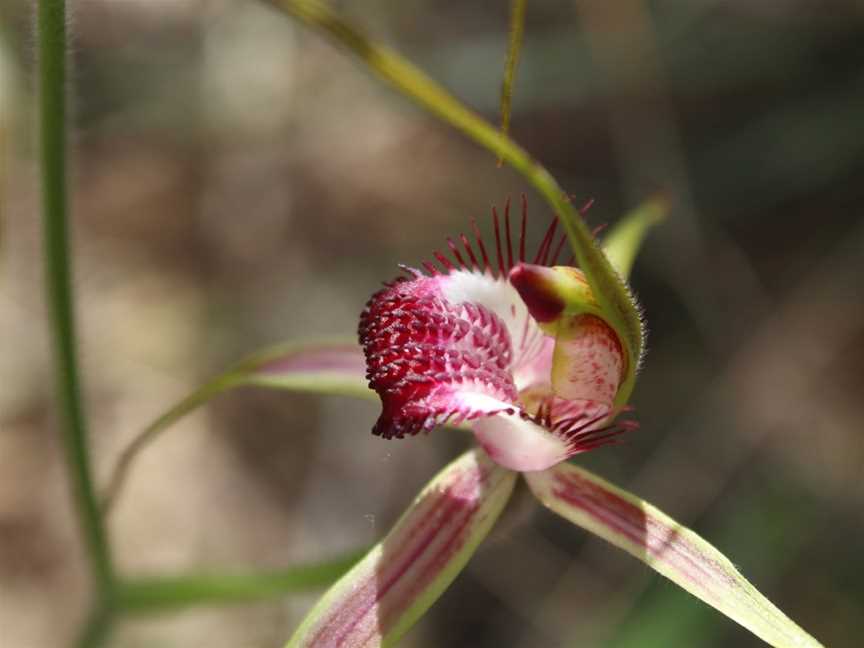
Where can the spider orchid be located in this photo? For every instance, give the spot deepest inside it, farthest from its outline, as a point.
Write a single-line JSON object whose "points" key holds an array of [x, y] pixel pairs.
{"points": [[514, 348], [521, 353]]}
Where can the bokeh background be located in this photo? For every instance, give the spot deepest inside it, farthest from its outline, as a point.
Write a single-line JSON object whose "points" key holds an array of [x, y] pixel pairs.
{"points": [[239, 181]]}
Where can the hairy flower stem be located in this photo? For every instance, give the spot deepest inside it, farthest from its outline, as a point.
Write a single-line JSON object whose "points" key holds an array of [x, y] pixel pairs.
{"points": [[51, 30]]}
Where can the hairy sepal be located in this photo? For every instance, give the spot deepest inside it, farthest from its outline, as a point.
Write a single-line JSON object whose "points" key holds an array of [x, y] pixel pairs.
{"points": [[664, 545], [401, 577]]}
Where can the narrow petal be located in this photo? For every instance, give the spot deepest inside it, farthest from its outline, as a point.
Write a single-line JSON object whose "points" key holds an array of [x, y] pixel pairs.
{"points": [[322, 368], [557, 430], [676, 552], [518, 443], [536, 371], [400, 578]]}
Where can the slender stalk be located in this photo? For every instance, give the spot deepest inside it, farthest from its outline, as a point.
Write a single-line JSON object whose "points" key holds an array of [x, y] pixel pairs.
{"points": [[122, 468], [51, 26], [618, 304], [98, 628], [514, 47], [247, 372], [168, 593]]}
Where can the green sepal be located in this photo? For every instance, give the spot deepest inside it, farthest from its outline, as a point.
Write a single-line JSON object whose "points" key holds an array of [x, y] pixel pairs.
{"points": [[624, 240]]}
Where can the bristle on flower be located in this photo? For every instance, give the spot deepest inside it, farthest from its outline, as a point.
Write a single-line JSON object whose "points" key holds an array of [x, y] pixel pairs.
{"points": [[464, 340], [432, 361], [583, 425], [478, 258]]}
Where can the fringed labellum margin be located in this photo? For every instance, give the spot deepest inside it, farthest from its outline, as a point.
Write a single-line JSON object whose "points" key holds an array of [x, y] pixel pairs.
{"points": [[516, 348], [397, 581]]}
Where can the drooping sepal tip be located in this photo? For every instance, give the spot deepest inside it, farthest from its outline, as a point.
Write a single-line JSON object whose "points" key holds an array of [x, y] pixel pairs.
{"points": [[376, 602]]}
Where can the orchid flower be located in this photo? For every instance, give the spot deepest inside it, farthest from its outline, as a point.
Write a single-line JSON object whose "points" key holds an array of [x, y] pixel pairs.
{"points": [[519, 352], [514, 348]]}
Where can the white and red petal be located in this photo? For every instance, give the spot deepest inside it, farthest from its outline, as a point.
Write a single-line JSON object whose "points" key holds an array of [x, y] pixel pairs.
{"points": [[536, 370], [555, 431], [430, 358], [588, 362], [396, 582], [460, 344], [674, 551], [499, 297]]}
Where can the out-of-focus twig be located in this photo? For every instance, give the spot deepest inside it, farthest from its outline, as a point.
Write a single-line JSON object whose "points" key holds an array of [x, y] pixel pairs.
{"points": [[514, 48], [51, 34]]}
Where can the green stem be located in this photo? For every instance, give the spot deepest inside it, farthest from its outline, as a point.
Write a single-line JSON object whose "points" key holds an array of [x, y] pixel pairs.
{"points": [[243, 373], [51, 25], [612, 294], [120, 473], [98, 627], [167, 593]]}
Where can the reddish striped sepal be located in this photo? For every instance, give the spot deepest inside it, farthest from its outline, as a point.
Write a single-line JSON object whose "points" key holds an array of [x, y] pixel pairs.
{"points": [[664, 545], [396, 582]]}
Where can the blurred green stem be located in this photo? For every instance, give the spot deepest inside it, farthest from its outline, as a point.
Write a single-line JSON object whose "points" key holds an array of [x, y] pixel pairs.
{"points": [[118, 477], [51, 28], [166, 593], [514, 47], [99, 625]]}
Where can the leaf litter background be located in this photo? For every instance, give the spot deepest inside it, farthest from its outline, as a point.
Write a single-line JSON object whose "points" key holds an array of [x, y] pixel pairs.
{"points": [[238, 182]]}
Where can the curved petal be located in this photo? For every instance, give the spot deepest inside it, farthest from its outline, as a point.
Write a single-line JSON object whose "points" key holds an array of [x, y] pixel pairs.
{"points": [[537, 370], [518, 443], [664, 545], [397, 581], [334, 368], [499, 297], [559, 429], [588, 362]]}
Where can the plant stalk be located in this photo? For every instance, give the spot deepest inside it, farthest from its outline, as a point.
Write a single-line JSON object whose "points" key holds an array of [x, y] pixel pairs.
{"points": [[612, 294], [51, 34]]}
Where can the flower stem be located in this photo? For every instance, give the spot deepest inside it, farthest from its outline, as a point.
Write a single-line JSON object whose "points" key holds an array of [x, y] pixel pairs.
{"points": [[514, 47], [51, 29], [617, 303], [98, 627], [166, 593]]}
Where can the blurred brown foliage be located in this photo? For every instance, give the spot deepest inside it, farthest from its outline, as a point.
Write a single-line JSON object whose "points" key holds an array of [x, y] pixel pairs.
{"points": [[238, 181]]}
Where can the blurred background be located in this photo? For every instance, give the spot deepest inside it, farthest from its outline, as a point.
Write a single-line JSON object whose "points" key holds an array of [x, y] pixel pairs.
{"points": [[238, 181]]}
